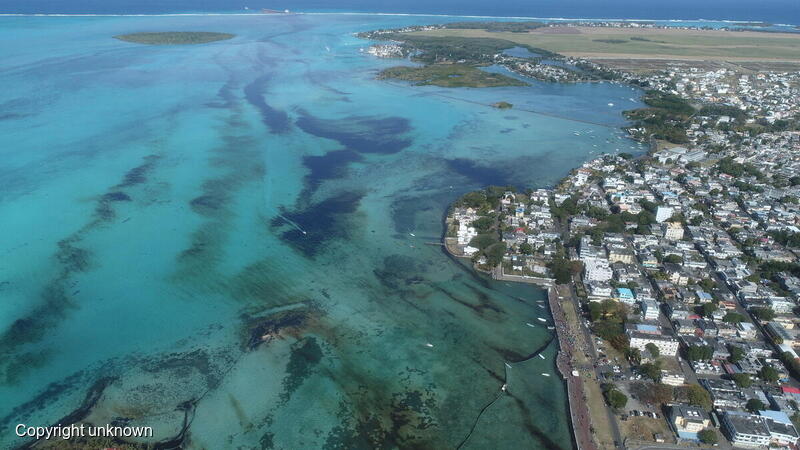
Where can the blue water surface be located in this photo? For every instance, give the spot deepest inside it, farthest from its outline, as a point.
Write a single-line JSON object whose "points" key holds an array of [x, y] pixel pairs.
{"points": [[773, 11]]}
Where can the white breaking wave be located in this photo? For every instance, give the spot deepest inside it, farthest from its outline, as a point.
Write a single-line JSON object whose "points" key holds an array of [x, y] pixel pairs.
{"points": [[356, 13]]}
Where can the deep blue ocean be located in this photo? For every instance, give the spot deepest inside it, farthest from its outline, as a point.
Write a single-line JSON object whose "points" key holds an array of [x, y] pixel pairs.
{"points": [[773, 11]]}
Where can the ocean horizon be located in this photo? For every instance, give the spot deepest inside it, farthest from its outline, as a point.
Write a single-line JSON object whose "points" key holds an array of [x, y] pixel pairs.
{"points": [[779, 12]]}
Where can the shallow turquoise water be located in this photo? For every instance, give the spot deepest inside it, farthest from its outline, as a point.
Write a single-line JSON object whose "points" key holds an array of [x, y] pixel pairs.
{"points": [[163, 208]]}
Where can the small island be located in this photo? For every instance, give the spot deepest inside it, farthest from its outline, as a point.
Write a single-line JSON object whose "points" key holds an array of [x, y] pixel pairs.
{"points": [[449, 75], [502, 105], [174, 37]]}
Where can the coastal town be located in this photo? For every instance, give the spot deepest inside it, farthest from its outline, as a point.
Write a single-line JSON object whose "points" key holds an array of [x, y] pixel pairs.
{"points": [[673, 275]]}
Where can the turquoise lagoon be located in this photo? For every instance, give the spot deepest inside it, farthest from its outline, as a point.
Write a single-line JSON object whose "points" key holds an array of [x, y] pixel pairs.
{"points": [[215, 240]]}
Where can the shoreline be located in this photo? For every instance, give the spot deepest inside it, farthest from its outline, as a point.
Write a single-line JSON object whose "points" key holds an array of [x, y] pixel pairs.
{"points": [[579, 417], [581, 440]]}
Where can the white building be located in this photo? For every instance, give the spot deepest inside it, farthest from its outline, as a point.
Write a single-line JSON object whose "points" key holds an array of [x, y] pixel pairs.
{"points": [[781, 305], [745, 430], [663, 213], [599, 291], [640, 335], [781, 429], [672, 379], [465, 233], [597, 270], [649, 310], [673, 231]]}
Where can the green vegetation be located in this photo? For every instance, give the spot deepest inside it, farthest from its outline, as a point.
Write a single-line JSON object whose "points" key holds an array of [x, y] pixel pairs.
{"points": [[742, 380], [651, 371], [723, 110], [755, 405], [614, 222], [699, 353], [484, 200], [494, 253], [174, 37], [563, 269], [695, 395], [610, 41], [708, 436], [465, 50], [791, 364], [496, 27], [769, 270], [708, 309], [484, 241], [608, 320], [737, 354], [634, 356], [665, 118], [734, 169], [653, 349], [786, 238], [643, 39], [653, 393], [668, 102], [768, 374], [449, 75], [614, 398], [488, 240], [733, 318], [763, 314], [503, 105]]}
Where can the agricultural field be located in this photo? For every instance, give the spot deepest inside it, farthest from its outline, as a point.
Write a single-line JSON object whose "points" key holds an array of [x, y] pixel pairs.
{"points": [[646, 44]]}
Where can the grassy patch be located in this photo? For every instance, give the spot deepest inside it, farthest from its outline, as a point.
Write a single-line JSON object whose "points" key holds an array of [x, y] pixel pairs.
{"points": [[449, 75], [174, 37]]}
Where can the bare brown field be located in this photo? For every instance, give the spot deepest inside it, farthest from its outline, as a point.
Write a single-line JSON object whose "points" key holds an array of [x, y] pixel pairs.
{"points": [[651, 49]]}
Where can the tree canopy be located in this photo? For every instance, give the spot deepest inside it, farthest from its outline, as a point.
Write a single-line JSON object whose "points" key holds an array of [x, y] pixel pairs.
{"points": [[742, 380], [708, 436]]}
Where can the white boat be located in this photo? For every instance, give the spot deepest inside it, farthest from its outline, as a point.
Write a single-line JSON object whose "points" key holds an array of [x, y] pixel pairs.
{"points": [[508, 365], [530, 324], [541, 306], [541, 356], [541, 320], [428, 344], [545, 374], [551, 328], [610, 104], [412, 234]]}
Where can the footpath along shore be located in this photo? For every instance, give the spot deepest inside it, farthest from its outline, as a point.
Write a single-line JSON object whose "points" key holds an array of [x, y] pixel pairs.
{"points": [[578, 406]]}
